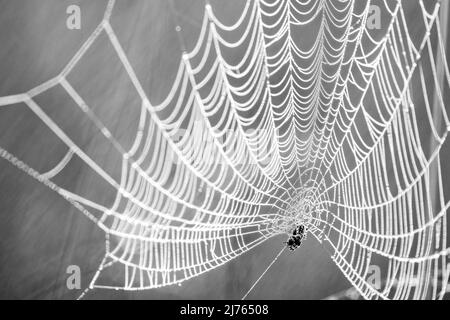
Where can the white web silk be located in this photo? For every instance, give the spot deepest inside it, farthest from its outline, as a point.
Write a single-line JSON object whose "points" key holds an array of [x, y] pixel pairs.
{"points": [[327, 130]]}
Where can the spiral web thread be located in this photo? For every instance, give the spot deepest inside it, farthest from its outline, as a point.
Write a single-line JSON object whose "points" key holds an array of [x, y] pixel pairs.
{"points": [[325, 135]]}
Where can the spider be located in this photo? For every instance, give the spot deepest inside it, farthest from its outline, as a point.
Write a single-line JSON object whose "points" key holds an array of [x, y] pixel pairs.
{"points": [[295, 240]]}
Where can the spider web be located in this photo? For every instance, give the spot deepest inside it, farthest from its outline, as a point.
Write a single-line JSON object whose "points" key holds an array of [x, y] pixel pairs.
{"points": [[325, 134]]}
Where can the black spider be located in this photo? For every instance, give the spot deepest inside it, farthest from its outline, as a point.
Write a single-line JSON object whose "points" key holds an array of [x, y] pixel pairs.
{"points": [[295, 240]]}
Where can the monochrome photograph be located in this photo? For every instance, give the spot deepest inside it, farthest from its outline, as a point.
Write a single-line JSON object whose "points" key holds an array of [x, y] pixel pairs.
{"points": [[224, 150]]}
